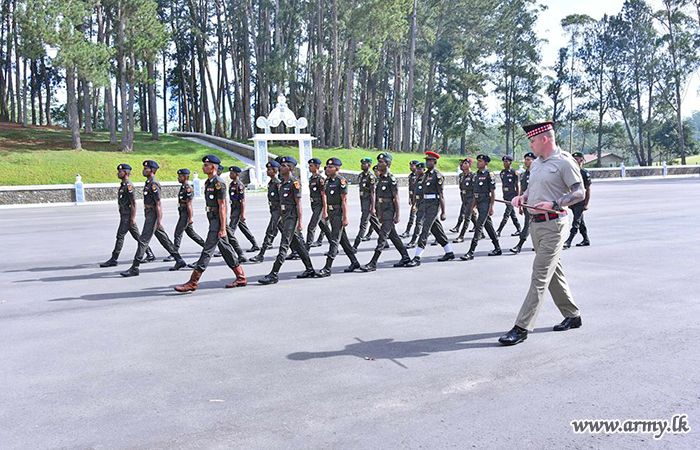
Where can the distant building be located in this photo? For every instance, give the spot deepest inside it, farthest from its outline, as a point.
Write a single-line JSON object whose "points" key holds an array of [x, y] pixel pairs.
{"points": [[606, 160]]}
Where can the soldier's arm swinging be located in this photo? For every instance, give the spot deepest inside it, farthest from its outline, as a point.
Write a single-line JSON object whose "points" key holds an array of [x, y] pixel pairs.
{"points": [[324, 211], [242, 217], [159, 212], [222, 217], [344, 203], [396, 207], [190, 212], [493, 200], [300, 225], [588, 197], [133, 211]]}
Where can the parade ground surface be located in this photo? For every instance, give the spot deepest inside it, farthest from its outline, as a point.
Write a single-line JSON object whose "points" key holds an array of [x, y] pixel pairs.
{"points": [[396, 359]]}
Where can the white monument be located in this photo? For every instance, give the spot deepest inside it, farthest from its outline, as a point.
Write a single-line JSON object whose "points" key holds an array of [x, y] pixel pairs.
{"points": [[277, 116]]}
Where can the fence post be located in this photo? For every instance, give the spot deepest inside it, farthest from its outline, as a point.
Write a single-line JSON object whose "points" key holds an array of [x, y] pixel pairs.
{"points": [[197, 186], [665, 169], [622, 170], [79, 190]]}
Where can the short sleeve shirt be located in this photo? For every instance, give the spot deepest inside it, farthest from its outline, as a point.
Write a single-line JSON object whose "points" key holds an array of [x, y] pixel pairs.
{"points": [[289, 191], [316, 183], [214, 190], [586, 176], [236, 192], [273, 191], [466, 184], [335, 188], [524, 180], [126, 195], [412, 180], [151, 192], [367, 184], [509, 181], [553, 177], [186, 193], [387, 186], [433, 182]]}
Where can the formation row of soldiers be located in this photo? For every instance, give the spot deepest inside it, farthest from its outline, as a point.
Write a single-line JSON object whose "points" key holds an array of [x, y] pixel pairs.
{"points": [[380, 206]]}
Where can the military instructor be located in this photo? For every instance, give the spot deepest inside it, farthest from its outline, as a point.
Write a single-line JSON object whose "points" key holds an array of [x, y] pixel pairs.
{"points": [[555, 183]]}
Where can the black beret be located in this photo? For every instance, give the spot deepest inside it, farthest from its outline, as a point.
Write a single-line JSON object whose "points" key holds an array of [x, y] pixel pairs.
{"points": [[279, 159], [288, 160], [212, 159], [508, 157], [486, 158], [235, 169], [578, 155], [183, 172], [537, 128], [414, 162], [221, 168], [315, 161], [529, 155], [150, 163], [374, 168], [385, 157], [123, 167], [334, 162], [272, 165]]}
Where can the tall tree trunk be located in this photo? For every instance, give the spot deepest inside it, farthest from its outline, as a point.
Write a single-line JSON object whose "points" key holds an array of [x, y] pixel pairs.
{"points": [[87, 106], [47, 87], [165, 93], [318, 82], [381, 113], [25, 119], [72, 108], [335, 106], [349, 84], [396, 144], [32, 92], [152, 108], [426, 126], [408, 123]]}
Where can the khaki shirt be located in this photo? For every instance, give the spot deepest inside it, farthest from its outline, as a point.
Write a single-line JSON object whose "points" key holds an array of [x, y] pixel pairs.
{"points": [[553, 177]]}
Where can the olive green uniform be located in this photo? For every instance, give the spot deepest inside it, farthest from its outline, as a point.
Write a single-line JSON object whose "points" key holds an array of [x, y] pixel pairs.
{"points": [[316, 186], [335, 188], [184, 197]]}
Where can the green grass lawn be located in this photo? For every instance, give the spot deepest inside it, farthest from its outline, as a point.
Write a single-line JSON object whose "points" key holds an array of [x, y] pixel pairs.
{"points": [[695, 159], [43, 156], [351, 158]]}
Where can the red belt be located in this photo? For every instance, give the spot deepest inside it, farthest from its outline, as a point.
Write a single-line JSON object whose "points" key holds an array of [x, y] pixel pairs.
{"points": [[546, 216]]}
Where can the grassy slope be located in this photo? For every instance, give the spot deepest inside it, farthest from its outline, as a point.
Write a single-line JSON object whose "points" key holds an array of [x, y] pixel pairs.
{"points": [[351, 158], [43, 156]]}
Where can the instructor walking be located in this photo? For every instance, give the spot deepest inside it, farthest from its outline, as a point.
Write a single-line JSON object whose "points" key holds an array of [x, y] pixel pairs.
{"points": [[555, 182]]}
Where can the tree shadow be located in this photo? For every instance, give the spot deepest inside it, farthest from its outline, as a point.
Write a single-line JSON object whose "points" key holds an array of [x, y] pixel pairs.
{"points": [[94, 275], [162, 292], [392, 350]]}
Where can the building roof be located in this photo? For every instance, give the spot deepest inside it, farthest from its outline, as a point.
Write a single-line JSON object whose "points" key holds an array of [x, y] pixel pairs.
{"points": [[593, 156]]}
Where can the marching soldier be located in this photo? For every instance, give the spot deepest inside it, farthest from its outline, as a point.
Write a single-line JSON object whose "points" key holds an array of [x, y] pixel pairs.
{"points": [[126, 199], [555, 183], [152, 225], [336, 213], [412, 181], [290, 223], [317, 194], [185, 219], [388, 207], [236, 193], [367, 184], [509, 184], [433, 203], [577, 223], [273, 200], [419, 205], [484, 196], [217, 236], [524, 180], [466, 192]]}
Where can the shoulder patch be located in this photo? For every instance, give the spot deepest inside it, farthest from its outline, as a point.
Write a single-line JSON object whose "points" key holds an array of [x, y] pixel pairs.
{"points": [[343, 182], [297, 184], [129, 188], [217, 185], [155, 187]]}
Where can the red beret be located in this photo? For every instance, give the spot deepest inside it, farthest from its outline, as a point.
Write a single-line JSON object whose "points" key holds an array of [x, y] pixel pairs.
{"points": [[431, 155]]}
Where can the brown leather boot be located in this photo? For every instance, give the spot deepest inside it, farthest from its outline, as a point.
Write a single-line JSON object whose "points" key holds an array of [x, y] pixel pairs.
{"points": [[241, 280], [192, 284]]}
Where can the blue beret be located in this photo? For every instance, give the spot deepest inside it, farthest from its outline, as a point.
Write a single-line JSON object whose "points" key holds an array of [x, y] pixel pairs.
{"points": [[288, 160], [364, 160], [150, 163], [235, 169], [414, 162], [212, 159], [221, 168], [273, 165], [385, 157], [123, 167], [315, 161], [183, 172], [334, 162], [529, 155], [486, 158], [508, 157]]}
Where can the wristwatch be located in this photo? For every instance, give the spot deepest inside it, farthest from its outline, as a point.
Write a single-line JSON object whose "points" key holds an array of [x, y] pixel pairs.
{"points": [[555, 206]]}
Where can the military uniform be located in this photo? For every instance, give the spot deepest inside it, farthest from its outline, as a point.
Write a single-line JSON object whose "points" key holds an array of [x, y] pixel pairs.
{"points": [[151, 199], [289, 194], [126, 200], [412, 181], [509, 182], [316, 186], [420, 212], [184, 197], [466, 192], [484, 185], [273, 201], [524, 181], [432, 182], [368, 184], [577, 222], [236, 193]]}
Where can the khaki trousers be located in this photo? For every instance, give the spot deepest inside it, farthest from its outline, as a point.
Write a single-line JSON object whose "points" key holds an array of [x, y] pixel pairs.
{"points": [[548, 239]]}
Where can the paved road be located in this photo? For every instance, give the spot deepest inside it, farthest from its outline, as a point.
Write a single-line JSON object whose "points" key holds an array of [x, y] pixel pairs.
{"points": [[396, 359]]}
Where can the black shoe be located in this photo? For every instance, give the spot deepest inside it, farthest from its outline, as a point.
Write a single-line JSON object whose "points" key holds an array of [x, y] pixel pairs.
{"points": [[496, 252], [483, 236], [369, 267], [447, 257], [324, 273], [242, 259], [517, 233], [514, 336], [353, 267], [459, 240], [270, 278], [568, 323], [149, 257], [178, 265], [192, 265], [454, 230], [411, 244], [516, 249], [498, 233], [256, 259], [386, 246], [252, 249], [433, 243], [217, 255], [170, 258], [308, 273], [405, 234], [467, 257], [403, 262], [415, 262], [111, 262], [132, 272], [315, 244], [583, 244], [567, 245], [365, 239], [471, 231], [293, 255]]}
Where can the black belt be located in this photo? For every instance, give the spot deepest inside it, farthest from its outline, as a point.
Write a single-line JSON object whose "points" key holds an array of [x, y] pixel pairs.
{"points": [[212, 209], [286, 207], [385, 200], [543, 217]]}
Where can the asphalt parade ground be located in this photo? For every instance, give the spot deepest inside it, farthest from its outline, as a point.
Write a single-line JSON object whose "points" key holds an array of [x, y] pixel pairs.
{"points": [[396, 359]]}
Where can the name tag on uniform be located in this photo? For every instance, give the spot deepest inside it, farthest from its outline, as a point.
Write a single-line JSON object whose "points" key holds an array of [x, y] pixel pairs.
{"points": [[211, 196], [481, 183], [286, 195], [383, 188], [314, 188], [505, 189], [272, 194], [332, 192], [430, 196]]}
